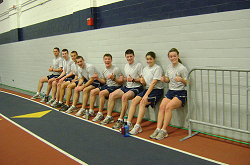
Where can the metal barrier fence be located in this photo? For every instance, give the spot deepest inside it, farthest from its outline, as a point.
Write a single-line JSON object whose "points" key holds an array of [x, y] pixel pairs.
{"points": [[218, 98]]}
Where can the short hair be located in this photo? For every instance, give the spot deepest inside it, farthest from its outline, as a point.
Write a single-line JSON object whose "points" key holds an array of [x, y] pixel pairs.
{"points": [[152, 54], [65, 50], [74, 52], [129, 51], [57, 49], [78, 57], [107, 55]]}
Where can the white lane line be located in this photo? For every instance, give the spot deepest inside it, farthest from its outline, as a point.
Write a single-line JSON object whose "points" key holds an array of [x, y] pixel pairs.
{"points": [[159, 144], [41, 139]]}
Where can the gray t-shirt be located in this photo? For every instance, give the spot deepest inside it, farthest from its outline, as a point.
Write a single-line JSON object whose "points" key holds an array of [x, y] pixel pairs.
{"points": [[88, 71], [135, 71], [74, 67], [116, 72], [154, 72], [171, 72], [67, 65], [57, 63]]}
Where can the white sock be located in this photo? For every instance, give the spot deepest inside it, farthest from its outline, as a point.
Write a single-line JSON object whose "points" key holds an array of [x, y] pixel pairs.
{"points": [[38, 93], [91, 110], [128, 122], [158, 129], [60, 102], [120, 119], [100, 113]]}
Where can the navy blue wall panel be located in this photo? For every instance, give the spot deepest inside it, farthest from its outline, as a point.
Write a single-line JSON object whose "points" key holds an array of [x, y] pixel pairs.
{"points": [[122, 13]]}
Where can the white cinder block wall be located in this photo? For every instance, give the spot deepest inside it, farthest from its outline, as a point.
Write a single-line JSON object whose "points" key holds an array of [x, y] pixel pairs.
{"points": [[218, 40]]}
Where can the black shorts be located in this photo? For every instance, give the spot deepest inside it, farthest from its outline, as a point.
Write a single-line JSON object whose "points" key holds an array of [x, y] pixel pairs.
{"points": [[97, 84], [52, 76], [70, 78], [181, 95]]}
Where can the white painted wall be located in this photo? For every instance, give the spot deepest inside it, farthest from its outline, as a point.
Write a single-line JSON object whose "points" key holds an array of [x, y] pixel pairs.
{"points": [[43, 10], [218, 40]]}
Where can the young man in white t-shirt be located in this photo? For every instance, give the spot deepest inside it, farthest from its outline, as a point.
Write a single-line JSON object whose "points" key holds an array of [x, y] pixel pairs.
{"points": [[56, 70], [86, 73], [133, 71]]}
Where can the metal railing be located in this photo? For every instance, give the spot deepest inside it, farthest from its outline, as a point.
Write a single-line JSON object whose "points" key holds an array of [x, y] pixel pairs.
{"points": [[218, 98]]}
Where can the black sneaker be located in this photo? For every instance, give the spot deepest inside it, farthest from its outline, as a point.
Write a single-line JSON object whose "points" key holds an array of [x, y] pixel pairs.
{"points": [[58, 105], [45, 99], [64, 107]]}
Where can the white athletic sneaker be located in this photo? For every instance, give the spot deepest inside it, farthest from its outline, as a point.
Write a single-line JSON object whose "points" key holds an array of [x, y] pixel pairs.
{"points": [[50, 101], [153, 135], [107, 120], [161, 135], [137, 129], [81, 112], [98, 117], [54, 103], [71, 109], [91, 113], [37, 96]]}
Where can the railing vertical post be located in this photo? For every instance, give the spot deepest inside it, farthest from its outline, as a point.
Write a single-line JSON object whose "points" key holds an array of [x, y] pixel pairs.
{"points": [[208, 95], [223, 102], [216, 101], [239, 100], [231, 100]]}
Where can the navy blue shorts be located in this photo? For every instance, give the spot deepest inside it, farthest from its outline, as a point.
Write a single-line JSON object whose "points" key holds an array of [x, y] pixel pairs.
{"points": [[136, 90], [97, 84], [76, 83], [52, 76], [70, 78], [181, 95], [109, 88], [153, 97]]}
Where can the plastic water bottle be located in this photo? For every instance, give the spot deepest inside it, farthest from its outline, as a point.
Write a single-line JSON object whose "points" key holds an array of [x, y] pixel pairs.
{"points": [[87, 115], [125, 128], [122, 130]]}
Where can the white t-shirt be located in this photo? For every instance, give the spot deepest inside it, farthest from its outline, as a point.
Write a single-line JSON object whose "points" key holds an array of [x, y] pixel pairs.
{"points": [[88, 71], [116, 72], [154, 72], [135, 71], [57, 63], [171, 72], [67, 65], [74, 67]]}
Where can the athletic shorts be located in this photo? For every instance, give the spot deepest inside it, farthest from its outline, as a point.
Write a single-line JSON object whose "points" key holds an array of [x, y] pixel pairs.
{"points": [[180, 94], [97, 84], [153, 97], [136, 90], [70, 78], [52, 76], [76, 83], [109, 88]]}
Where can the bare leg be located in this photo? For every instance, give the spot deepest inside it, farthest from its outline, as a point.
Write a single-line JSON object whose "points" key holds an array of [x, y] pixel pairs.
{"points": [[40, 84], [69, 92], [132, 108], [112, 97], [127, 96], [92, 96], [86, 95], [54, 88], [49, 86], [141, 112], [102, 95], [161, 112], [62, 90], [173, 104]]}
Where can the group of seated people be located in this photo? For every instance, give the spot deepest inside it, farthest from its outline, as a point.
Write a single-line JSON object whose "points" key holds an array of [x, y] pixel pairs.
{"points": [[72, 72]]}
